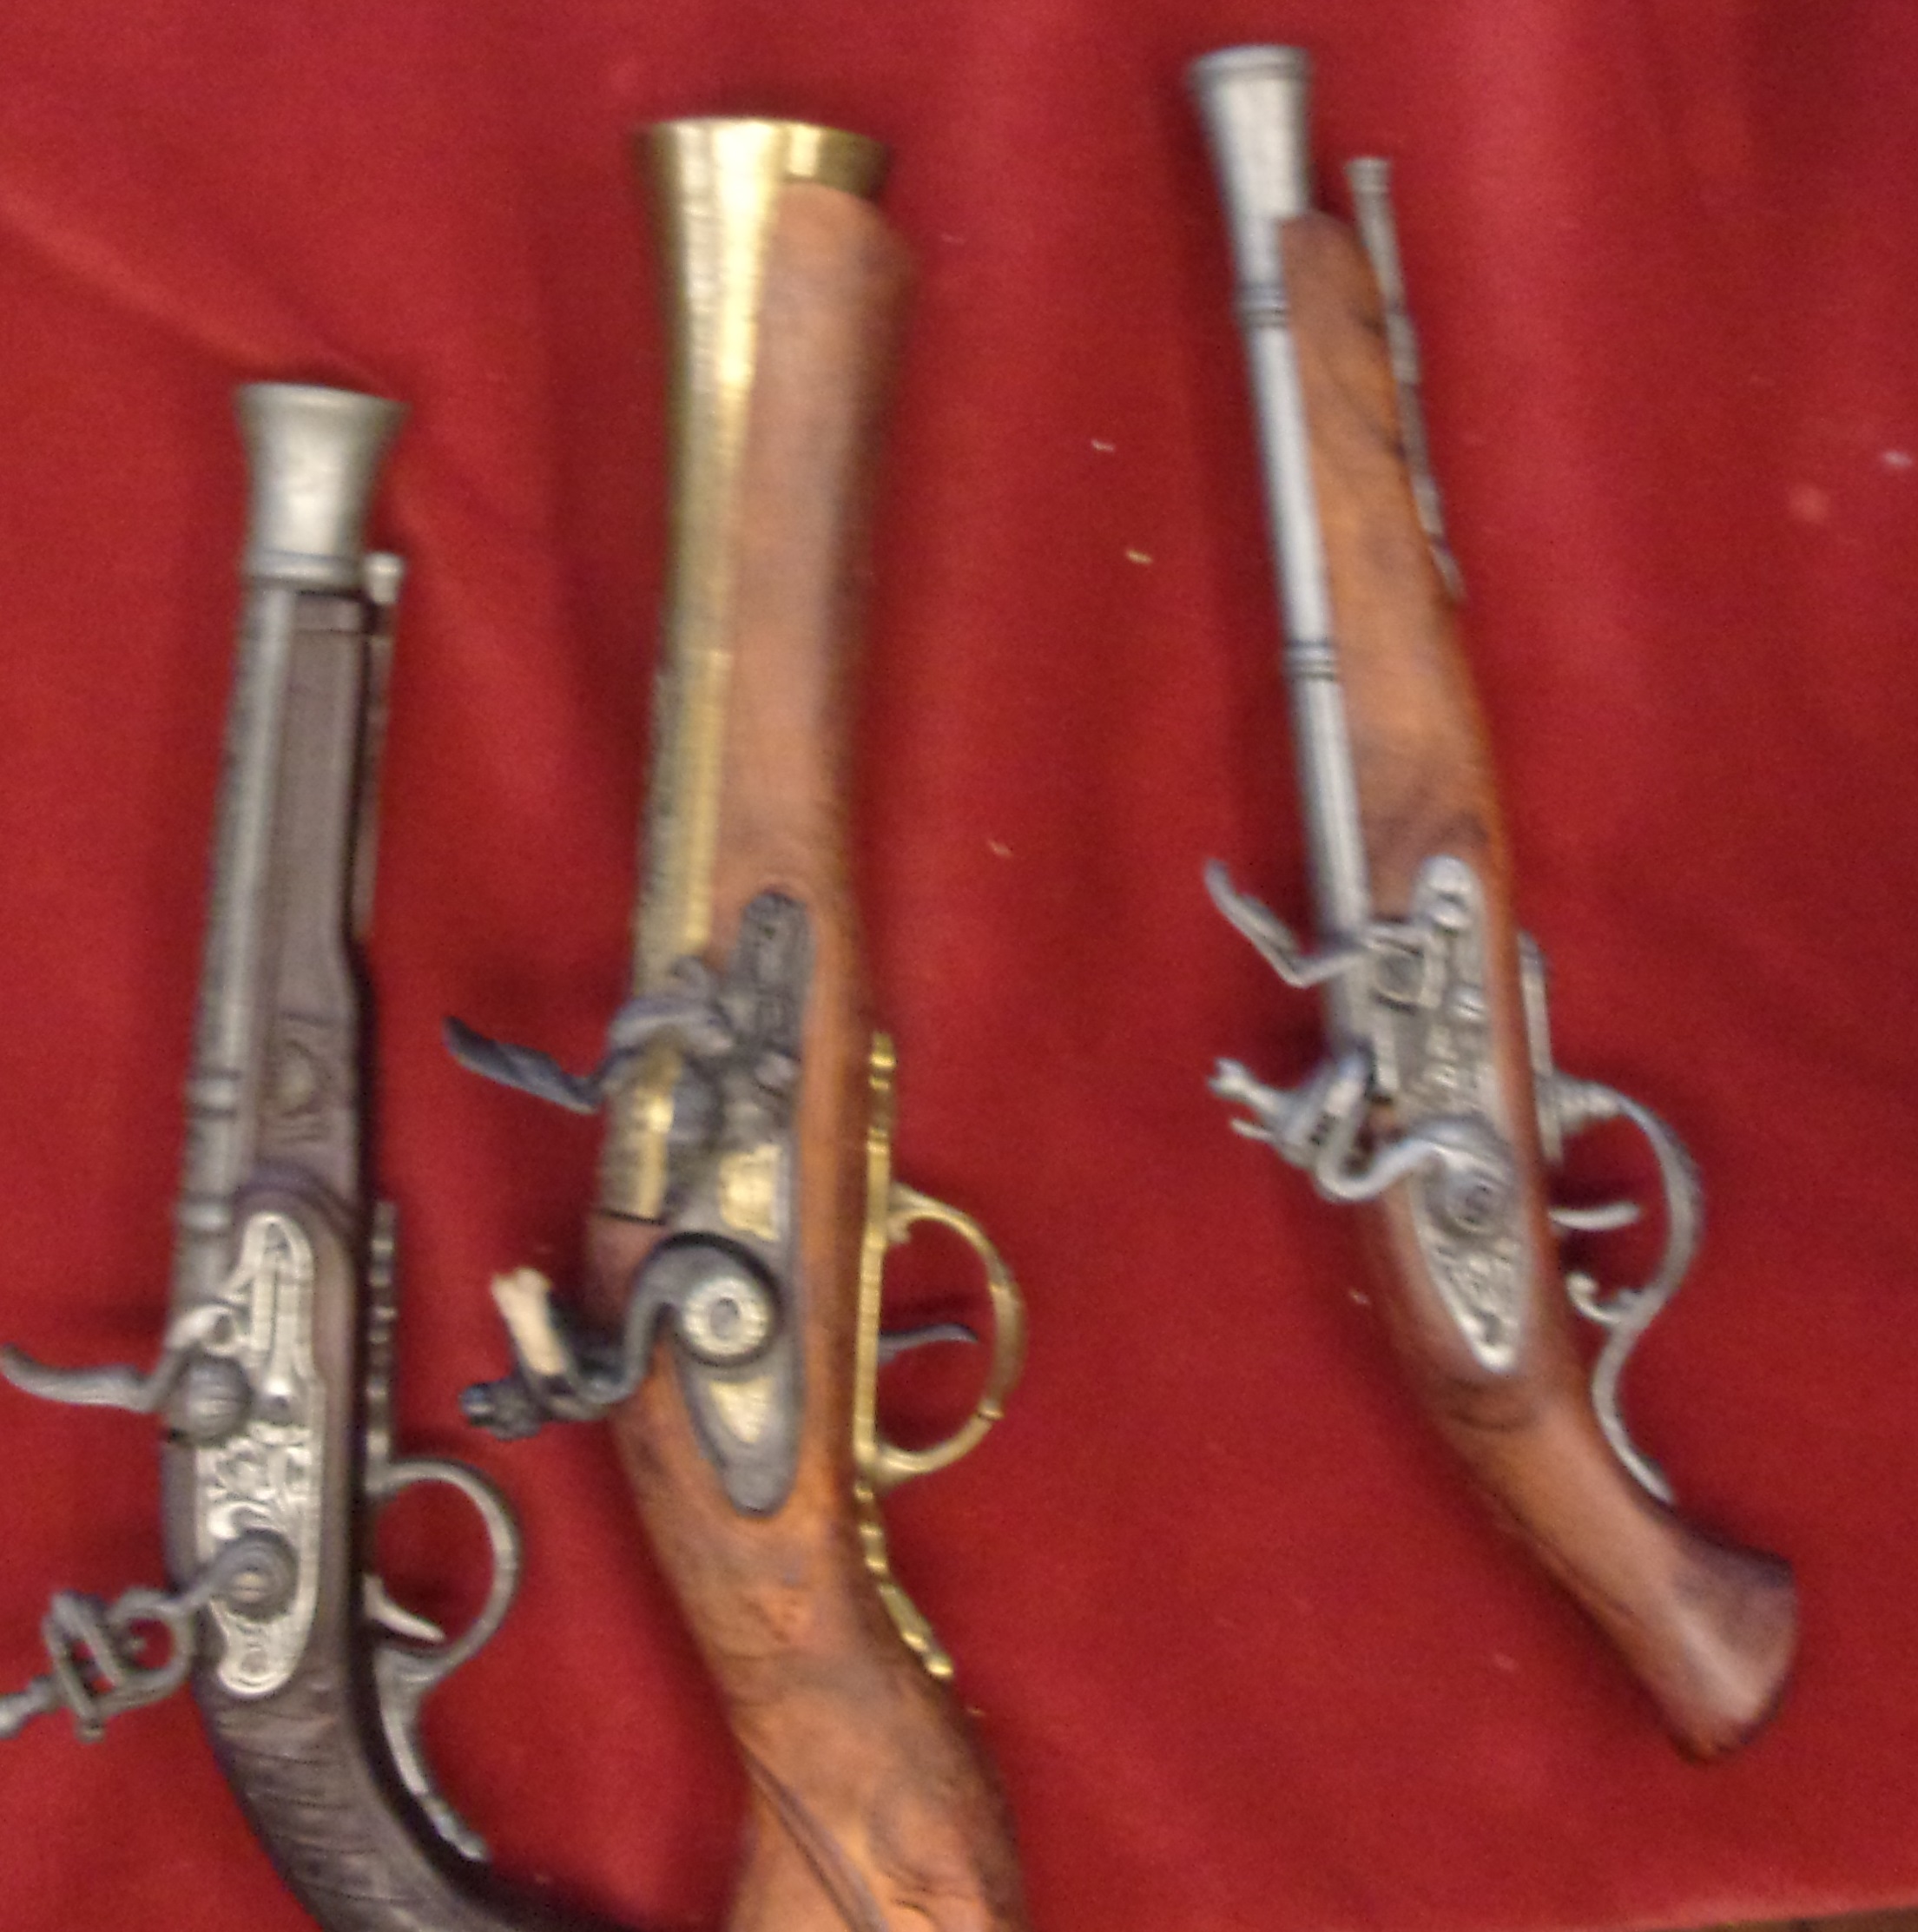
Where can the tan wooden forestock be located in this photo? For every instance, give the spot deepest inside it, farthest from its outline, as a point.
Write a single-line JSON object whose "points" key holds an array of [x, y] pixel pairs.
{"points": [[1709, 1628], [872, 1806]]}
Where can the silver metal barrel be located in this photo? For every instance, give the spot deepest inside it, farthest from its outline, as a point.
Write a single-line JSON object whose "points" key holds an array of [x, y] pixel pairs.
{"points": [[1255, 102], [314, 456]]}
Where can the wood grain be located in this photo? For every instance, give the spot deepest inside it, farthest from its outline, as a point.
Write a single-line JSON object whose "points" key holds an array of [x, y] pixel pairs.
{"points": [[1708, 1627], [871, 1805]]}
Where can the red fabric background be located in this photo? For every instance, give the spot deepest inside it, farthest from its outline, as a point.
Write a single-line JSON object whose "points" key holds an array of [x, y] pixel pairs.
{"points": [[1246, 1652]]}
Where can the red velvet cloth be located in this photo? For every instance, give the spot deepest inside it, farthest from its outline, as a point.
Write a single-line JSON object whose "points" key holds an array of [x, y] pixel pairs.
{"points": [[1246, 1652]]}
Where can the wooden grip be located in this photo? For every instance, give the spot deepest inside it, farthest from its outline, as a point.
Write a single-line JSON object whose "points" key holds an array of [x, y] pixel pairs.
{"points": [[307, 1761], [1708, 1628], [871, 1807]]}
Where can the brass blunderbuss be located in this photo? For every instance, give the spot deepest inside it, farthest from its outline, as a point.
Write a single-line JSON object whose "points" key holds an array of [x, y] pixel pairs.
{"points": [[728, 1322]]}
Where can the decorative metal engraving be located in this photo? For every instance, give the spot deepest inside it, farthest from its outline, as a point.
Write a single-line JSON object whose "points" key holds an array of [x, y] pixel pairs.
{"points": [[1433, 1058], [751, 1189], [264, 1480], [1419, 988], [722, 1274]]}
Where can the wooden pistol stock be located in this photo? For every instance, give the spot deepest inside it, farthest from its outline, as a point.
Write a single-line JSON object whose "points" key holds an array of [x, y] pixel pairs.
{"points": [[745, 1196], [1437, 1109]]}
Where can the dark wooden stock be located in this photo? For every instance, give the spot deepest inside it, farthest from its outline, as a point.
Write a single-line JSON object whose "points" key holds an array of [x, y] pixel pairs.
{"points": [[1708, 1628], [871, 1807], [307, 1762]]}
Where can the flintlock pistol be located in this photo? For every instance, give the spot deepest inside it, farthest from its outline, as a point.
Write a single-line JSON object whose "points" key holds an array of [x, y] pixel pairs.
{"points": [[274, 1382], [729, 1323], [1438, 1104]]}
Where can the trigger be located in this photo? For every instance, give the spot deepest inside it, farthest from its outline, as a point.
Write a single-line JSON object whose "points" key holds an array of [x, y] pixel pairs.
{"points": [[395, 1618], [1604, 1219], [901, 1340]]}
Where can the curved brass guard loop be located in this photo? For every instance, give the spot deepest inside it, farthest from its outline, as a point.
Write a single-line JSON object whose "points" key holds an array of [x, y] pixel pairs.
{"points": [[891, 1464], [891, 1211], [405, 1671]]}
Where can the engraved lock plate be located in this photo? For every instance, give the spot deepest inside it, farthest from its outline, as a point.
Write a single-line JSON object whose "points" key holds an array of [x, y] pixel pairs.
{"points": [[1433, 1064], [737, 1350], [263, 1481], [722, 1278]]}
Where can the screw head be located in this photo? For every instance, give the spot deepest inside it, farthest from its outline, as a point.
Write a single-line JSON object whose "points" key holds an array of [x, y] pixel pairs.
{"points": [[1473, 1197], [212, 1401], [264, 1576], [727, 1318]]}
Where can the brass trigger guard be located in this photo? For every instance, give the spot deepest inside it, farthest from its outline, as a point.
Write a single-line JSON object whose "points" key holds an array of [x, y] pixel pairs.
{"points": [[890, 1464], [406, 1667], [893, 1210]]}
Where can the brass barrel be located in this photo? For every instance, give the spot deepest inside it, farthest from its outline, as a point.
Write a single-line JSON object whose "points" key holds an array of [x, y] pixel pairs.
{"points": [[715, 187]]}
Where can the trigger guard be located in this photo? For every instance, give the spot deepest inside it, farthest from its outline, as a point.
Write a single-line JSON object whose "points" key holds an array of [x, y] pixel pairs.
{"points": [[1586, 1104], [404, 1672], [1625, 1314], [891, 1464], [502, 1529]]}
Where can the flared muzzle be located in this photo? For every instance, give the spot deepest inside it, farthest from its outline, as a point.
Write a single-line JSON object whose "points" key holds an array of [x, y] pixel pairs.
{"points": [[314, 455]]}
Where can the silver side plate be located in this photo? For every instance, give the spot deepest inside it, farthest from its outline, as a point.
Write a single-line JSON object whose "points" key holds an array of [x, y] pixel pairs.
{"points": [[263, 1481]]}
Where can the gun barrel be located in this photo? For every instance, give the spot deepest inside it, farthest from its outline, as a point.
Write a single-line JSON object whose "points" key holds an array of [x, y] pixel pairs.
{"points": [[314, 455], [715, 187], [1254, 100]]}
